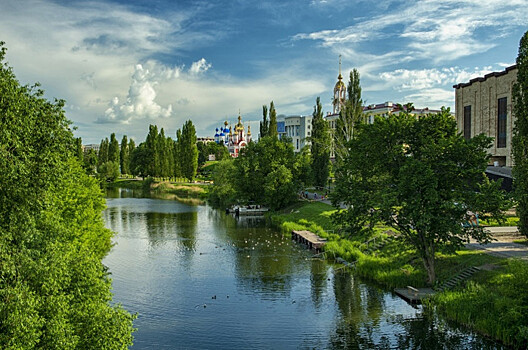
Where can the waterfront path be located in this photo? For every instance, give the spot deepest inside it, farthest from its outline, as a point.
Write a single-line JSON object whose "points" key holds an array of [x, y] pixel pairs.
{"points": [[502, 245]]}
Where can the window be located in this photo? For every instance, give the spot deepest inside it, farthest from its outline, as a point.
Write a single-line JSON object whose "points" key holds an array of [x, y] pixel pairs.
{"points": [[467, 122], [502, 115], [297, 143]]}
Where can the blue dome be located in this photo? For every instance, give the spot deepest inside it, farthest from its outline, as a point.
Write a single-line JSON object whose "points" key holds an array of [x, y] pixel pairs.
{"points": [[221, 134], [226, 130]]}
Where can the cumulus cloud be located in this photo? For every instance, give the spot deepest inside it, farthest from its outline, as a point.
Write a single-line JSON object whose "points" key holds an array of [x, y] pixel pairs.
{"points": [[140, 102], [200, 66]]}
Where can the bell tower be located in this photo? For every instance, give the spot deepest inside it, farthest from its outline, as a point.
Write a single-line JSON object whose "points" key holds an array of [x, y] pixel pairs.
{"points": [[339, 92]]}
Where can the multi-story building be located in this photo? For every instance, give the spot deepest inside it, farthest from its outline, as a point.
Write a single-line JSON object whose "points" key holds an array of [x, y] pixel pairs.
{"points": [[383, 110], [297, 128], [484, 105], [94, 146]]}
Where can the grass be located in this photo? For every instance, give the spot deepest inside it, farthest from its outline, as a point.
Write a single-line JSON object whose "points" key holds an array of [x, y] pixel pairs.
{"points": [[494, 303], [510, 221]]}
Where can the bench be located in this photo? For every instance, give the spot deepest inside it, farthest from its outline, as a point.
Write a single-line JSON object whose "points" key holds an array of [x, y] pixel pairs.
{"points": [[412, 291]]}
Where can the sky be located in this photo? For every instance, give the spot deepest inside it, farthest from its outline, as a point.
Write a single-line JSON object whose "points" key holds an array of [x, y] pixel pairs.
{"points": [[124, 64]]}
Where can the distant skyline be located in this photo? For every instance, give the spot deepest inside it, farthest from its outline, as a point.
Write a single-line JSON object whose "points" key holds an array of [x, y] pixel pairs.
{"points": [[122, 65]]}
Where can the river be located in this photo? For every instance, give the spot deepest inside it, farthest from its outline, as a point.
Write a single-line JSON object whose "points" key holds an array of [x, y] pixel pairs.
{"points": [[201, 279]]}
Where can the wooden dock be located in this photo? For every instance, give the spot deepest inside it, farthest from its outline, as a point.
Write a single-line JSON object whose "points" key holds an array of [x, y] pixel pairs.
{"points": [[310, 239], [413, 295]]}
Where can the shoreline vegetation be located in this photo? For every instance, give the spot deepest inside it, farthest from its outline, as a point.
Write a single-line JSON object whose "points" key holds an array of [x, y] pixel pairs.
{"points": [[489, 302]]}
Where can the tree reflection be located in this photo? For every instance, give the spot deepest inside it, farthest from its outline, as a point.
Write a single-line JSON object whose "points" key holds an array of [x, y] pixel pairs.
{"points": [[181, 226]]}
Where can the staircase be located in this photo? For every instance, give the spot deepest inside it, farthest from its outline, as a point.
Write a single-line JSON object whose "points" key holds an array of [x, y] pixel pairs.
{"points": [[376, 243], [459, 278]]}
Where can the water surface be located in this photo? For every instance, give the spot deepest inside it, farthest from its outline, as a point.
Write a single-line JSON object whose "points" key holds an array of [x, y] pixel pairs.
{"points": [[201, 279]]}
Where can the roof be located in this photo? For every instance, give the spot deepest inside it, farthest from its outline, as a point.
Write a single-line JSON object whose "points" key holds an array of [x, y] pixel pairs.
{"points": [[490, 75]]}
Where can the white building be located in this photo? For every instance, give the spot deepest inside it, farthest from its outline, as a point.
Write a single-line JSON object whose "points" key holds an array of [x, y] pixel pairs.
{"points": [[297, 128]]}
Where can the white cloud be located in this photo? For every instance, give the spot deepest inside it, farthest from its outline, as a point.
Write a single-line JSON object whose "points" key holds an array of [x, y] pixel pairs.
{"points": [[437, 30], [140, 102], [200, 66]]}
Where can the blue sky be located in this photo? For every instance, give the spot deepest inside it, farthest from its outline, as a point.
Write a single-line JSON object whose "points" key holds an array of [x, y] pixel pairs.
{"points": [[122, 65]]}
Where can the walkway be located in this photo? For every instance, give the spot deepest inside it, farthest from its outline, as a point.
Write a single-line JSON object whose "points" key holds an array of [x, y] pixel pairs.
{"points": [[502, 246]]}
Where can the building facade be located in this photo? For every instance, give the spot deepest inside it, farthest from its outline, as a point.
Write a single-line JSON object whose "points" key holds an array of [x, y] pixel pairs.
{"points": [[298, 129], [484, 106]]}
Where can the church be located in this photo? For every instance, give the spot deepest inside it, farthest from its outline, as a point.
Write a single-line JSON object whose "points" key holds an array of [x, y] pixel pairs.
{"points": [[234, 138]]}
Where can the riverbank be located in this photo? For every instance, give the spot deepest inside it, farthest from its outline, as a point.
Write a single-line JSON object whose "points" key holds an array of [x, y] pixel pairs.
{"points": [[493, 302], [191, 193]]}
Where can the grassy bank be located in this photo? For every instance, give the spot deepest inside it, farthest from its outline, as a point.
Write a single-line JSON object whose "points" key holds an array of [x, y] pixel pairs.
{"points": [[393, 263], [186, 192]]}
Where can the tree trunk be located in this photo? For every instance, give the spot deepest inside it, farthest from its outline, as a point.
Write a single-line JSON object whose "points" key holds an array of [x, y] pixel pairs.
{"points": [[429, 264]]}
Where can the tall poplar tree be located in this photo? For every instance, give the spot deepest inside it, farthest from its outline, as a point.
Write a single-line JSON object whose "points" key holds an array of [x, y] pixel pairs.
{"points": [[152, 148], [131, 148], [113, 149], [520, 136], [320, 146], [264, 124], [351, 114], [273, 132], [102, 155], [124, 156], [189, 151]]}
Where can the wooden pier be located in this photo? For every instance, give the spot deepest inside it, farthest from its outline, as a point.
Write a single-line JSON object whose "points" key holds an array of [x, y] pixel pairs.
{"points": [[310, 239], [413, 295]]}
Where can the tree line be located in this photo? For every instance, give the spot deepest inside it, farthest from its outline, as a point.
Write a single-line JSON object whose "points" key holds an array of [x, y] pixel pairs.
{"points": [[158, 156]]}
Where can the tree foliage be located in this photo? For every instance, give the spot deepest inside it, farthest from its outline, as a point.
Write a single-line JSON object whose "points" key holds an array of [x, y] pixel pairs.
{"points": [[421, 177], [320, 147], [113, 149], [54, 289], [124, 156], [189, 151], [273, 131], [264, 124], [351, 114], [520, 136]]}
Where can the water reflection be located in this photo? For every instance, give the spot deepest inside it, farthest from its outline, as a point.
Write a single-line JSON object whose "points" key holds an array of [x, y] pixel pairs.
{"points": [[201, 279]]}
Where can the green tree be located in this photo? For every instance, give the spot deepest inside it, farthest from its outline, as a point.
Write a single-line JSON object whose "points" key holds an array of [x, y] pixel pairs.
{"points": [[421, 177], [177, 154], [302, 168], [90, 162], [79, 149], [131, 148], [102, 155], [124, 156], [164, 164], [54, 289], [520, 136], [151, 144], [189, 151], [223, 192], [351, 114], [113, 149], [108, 171], [264, 124], [272, 131], [259, 168], [140, 161], [320, 147], [203, 152]]}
